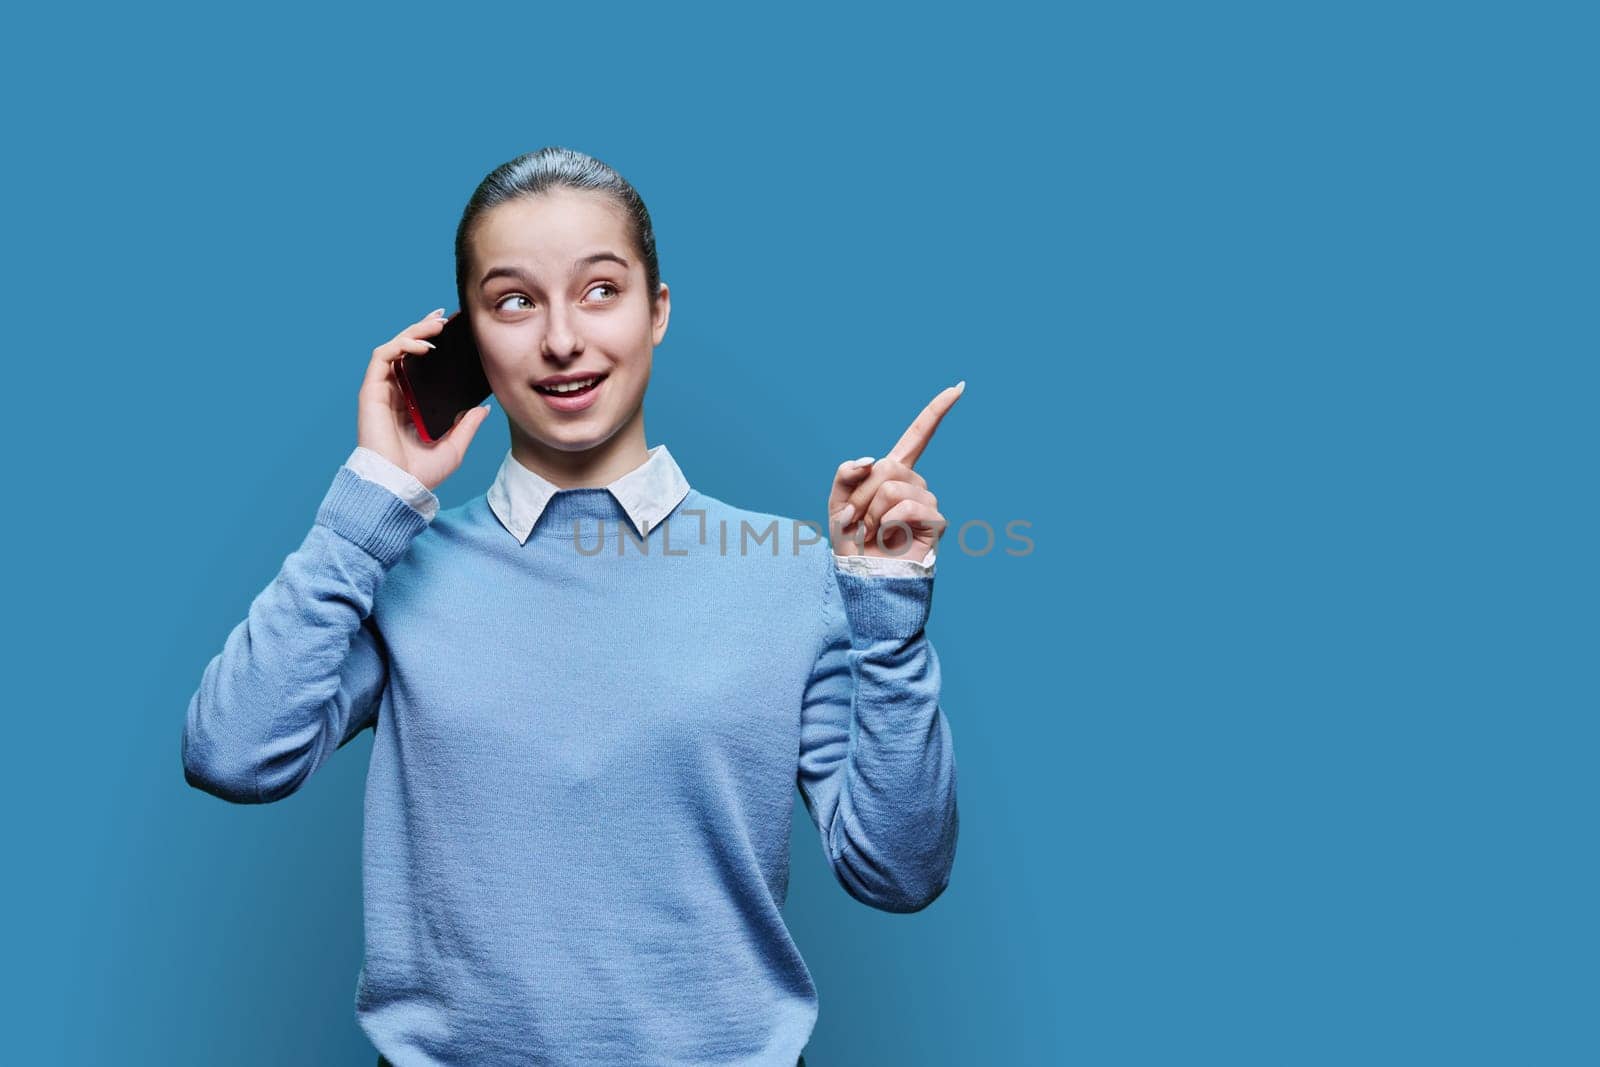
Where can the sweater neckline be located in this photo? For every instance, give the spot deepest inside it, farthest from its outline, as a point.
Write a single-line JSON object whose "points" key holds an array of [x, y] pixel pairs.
{"points": [[586, 506]]}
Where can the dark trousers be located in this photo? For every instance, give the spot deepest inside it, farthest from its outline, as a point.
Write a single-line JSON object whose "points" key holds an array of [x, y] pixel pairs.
{"points": [[382, 1062]]}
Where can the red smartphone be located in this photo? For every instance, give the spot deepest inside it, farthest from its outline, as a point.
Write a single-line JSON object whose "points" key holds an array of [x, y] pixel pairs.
{"points": [[440, 384]]}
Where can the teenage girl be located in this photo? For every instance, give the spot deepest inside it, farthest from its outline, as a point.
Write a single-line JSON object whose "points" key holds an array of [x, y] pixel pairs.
{"points": [[593, 688]]}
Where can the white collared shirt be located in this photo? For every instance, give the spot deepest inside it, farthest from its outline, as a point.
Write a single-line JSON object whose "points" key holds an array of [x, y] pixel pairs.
{"points": [[648, 493]]}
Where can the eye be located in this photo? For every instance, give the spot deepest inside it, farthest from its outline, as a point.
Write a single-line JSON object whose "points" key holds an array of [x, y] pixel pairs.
{"points": [[514, 296], [604, 285]]}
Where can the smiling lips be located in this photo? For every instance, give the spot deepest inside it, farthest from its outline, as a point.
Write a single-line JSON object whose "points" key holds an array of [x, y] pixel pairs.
{"points": [[574, 395], [571, 386]]}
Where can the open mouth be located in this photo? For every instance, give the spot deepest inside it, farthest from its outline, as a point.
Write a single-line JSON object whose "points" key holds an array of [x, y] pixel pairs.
{"points": [[571, 388]]}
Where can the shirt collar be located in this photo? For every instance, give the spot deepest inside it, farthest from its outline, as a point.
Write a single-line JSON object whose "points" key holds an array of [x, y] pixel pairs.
{"points": [[648, 493]]}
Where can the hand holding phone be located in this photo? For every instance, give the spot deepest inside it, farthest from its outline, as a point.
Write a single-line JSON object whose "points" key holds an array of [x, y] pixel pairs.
{"points": [[421, 415]]}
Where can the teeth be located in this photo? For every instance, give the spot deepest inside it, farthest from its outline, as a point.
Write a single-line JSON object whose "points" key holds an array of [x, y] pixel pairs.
{"points": [[568, 387]]}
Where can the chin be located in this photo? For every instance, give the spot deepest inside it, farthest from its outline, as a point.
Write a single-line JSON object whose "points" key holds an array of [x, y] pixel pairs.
{"points": [[568, 438]]}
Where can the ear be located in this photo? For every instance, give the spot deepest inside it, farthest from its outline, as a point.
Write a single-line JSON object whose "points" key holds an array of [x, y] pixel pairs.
{"points": [[663, 312]]}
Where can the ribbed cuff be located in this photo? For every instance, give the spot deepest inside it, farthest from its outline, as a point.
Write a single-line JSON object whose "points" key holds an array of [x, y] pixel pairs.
{"points": [[883, 607], [375, 467], [369, 515]]}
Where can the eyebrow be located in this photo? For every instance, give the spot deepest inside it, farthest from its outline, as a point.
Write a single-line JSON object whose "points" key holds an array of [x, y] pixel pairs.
{"points": [[524, 277]]}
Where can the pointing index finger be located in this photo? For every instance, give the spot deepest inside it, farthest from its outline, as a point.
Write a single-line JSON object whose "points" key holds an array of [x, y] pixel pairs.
{"points": [[911, 444]]}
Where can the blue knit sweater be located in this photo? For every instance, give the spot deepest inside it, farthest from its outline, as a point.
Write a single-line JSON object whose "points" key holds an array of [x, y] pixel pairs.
{"points": [[584, 764]]}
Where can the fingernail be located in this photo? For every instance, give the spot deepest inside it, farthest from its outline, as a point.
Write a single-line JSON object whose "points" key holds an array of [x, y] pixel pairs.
{"points": [[437, 311], [846, 513], [962, 384], [429, 343], [863, 461]]}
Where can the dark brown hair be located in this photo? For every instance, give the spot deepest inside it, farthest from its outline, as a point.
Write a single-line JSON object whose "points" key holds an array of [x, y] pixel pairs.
{"points": [[554, 167]]}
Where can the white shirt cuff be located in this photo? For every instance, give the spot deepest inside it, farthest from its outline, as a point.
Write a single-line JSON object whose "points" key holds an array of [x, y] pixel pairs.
{"points": [[402, 483], [887, 566]]}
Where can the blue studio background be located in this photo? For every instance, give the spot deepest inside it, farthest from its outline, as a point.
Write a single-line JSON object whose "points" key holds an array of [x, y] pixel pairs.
{"points": [[1278, 329]]}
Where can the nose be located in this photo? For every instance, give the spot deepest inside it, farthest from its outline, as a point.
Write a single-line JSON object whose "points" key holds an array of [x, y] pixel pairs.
{"points": [[561, 342]]}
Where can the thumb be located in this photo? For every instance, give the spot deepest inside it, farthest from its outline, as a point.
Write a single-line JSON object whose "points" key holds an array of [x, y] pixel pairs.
{"points": [[467, 425]]}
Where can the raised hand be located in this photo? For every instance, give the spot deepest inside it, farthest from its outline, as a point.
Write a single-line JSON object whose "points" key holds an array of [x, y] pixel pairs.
{"points": [[871, 499], [383, 424]]}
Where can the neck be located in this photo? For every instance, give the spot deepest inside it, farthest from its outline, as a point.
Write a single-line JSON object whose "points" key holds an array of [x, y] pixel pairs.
{"points": [[591, 468]]}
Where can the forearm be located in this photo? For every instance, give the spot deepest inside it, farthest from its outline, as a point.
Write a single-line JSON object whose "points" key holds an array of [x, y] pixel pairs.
{"points": [[298, 673], [893, 836]]}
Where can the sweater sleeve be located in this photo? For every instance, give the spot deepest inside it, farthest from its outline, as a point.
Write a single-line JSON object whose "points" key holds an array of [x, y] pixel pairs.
{"points": [[877, 767], [303, 672]]}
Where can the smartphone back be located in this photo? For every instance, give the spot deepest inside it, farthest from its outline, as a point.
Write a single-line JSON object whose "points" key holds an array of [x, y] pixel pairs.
{"points": [[441, 384]]}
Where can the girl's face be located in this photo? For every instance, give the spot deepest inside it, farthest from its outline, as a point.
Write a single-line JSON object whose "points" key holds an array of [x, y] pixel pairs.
{"points": [[558, 291]]}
